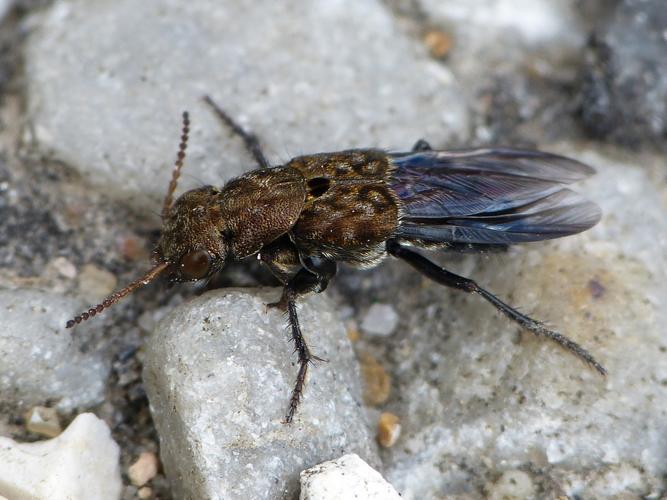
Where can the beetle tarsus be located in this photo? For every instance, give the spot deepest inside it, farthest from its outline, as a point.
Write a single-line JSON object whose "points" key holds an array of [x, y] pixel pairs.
{"points": [[444, 277]]}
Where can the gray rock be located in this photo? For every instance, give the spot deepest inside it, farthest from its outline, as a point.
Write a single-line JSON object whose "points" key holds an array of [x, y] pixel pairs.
{"points": [[346, 477], [45, 361], [471, 389], [108, 81], [219, 373], [625, 79]]}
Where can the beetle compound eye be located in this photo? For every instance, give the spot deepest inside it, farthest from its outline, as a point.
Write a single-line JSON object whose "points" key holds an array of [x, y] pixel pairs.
{"points": [[196, 264]]}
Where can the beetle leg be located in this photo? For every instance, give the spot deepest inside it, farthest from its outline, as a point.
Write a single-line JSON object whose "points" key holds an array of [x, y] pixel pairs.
{"points": [[444, 277], [421, 145], [249, 139], [305, 281]]}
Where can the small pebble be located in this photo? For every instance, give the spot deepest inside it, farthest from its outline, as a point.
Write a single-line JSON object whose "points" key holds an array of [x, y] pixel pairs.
{"points": [[144, 492], [389, 429], [144, 469], [438, 42], [43, 421], [352, 331], [96, 283], [64, 267], [376, 380], [380, 320], [346, 477]]}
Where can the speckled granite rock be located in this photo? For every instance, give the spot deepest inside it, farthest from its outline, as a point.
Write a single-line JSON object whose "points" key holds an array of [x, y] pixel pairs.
{"points": [[478, 399], [219, 373], [43, 360]]}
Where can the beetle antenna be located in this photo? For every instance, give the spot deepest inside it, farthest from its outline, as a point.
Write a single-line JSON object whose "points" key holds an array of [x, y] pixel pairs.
{"points": [[116, 296], [176, 173]]}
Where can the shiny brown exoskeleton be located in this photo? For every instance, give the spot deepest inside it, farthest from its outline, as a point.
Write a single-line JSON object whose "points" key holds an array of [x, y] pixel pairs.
{"points": [[357, 206]]}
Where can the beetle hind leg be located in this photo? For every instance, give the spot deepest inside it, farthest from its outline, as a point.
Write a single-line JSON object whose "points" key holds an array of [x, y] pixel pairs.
{"points": [[444, 277]]}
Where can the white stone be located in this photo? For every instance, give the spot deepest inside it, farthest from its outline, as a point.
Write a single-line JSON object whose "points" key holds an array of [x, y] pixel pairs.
{"points": [[64, 267], [219, 373], [346, 477], [83, 462], [380, 320], [536, 21], [109, 80], [43, 360]]}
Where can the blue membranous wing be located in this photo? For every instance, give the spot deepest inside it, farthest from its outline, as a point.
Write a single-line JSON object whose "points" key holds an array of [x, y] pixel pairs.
{"points": [[489, 196]]}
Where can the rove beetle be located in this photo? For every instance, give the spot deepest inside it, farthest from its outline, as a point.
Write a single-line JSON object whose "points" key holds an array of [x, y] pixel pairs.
{"points": [[357, 207]]}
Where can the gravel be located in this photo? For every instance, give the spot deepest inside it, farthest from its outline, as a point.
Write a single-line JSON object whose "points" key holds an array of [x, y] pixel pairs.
{"points": [[89, 125]]}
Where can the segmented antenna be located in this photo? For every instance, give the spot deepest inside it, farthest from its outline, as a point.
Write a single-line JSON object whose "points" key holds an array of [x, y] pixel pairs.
{"points": [[176, 173], [116, 296]]}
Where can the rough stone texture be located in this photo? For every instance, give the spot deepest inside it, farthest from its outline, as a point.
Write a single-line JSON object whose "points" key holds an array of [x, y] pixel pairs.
{"points": [[527, 28], [625, 78], [80, 463], [476, 398], [219, 373], [518, 61], [346, 477], [52, 367], [321, 75], [485, 410]]}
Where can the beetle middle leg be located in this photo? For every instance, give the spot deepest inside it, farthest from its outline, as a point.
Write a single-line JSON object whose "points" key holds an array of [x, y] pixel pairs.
{"points": [[249, 139], [444, 277]]}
